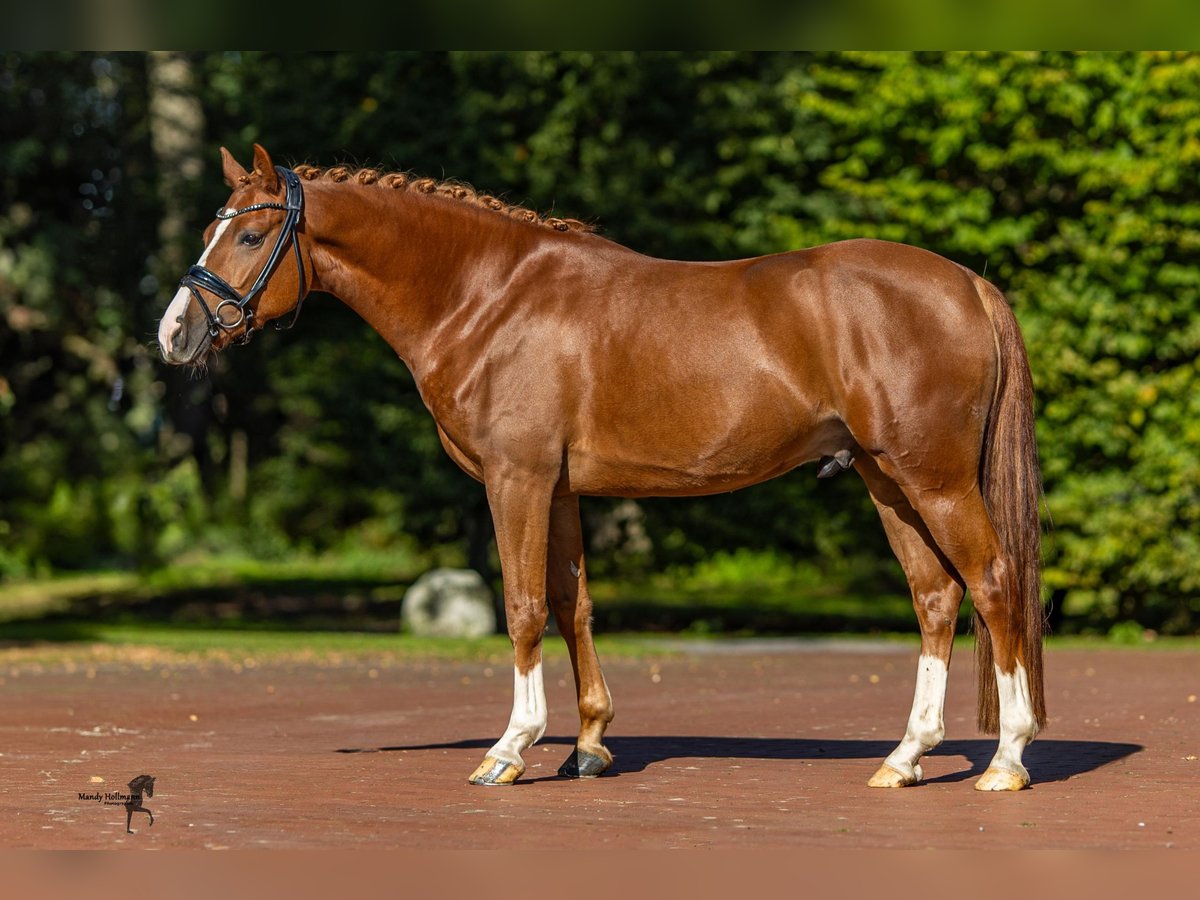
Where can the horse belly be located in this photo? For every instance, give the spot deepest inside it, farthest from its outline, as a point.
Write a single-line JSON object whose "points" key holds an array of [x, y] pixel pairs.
{"points": [[664, 457]]}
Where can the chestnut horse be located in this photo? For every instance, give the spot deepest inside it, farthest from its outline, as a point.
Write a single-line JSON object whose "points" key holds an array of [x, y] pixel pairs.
{"points": [[557, 364]]}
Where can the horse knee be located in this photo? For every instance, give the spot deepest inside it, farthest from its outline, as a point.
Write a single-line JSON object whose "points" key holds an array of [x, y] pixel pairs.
{"points": [[526, 623]]}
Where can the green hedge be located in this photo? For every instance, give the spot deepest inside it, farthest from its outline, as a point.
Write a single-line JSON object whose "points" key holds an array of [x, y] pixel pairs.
{"points": [[1069, 178]]}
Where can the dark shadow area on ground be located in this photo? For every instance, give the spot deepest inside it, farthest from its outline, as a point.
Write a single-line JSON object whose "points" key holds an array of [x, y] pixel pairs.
{"points": [[636, 615], [372, 603], [1047, 760], [340, 604], [331, 607]]}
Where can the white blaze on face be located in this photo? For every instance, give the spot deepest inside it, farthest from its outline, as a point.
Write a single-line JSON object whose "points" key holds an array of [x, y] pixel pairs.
{"points": [[172, 320], [1018, 725], [528, 721], [925, 724]]}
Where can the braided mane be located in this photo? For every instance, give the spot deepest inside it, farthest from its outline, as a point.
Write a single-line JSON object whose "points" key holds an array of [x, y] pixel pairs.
{"points": [[454, 190]]}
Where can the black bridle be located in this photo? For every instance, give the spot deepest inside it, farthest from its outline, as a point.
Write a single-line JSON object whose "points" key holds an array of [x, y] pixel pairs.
{"points": [[198, 277]]}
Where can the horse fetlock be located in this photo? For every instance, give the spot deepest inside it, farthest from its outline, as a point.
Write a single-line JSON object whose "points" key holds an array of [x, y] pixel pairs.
{"points": [[930, 739]]}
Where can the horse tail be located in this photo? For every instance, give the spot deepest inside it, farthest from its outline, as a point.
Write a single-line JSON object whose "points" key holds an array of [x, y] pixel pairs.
{"points": [[1010, 480]]}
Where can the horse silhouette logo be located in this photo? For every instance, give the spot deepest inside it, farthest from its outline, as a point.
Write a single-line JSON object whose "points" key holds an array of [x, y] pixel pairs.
{"points": [[141, 784]]}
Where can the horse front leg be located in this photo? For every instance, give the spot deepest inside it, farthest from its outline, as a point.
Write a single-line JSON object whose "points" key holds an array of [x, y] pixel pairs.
{"points": [[566, 581], [521, 513]]}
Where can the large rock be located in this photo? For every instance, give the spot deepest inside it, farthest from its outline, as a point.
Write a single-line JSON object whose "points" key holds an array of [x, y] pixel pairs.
{"points": [[449, 603]]}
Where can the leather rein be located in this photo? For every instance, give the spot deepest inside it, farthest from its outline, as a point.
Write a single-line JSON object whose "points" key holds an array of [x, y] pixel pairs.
{"points": [[200, 278]]}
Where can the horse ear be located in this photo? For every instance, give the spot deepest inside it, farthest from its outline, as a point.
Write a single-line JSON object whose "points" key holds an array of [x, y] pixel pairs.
{"points": [[264, 169], [234, 172]]}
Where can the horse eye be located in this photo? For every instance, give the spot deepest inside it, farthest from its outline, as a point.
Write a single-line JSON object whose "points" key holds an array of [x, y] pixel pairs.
{"points": [[251, 239]]}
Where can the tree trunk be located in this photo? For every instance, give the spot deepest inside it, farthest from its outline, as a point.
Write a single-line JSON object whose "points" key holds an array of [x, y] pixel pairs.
{"points": [[177, 136]]}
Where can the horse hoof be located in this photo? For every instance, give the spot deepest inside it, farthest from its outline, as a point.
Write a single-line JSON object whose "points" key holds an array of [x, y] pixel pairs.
{"points": [[494, 771], [888, 777], [995, 779], [582, 764]]}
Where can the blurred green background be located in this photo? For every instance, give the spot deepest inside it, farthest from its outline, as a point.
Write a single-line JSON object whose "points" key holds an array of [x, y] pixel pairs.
{"points": [[302, 479]]}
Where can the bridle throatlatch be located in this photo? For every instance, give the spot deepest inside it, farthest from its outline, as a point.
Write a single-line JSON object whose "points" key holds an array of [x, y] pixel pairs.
{"points": [[199, 278]]}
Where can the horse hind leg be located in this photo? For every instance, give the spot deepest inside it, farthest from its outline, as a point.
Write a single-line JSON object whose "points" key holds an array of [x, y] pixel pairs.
{"points": [[937, 594], [566, 583], [959, 523]]}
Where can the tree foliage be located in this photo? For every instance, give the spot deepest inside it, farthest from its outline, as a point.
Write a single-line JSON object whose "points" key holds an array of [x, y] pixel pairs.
{"points": [[1069, 178]]}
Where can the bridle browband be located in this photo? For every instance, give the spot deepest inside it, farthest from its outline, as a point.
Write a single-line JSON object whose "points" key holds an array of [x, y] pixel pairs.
{"points": [[198, 277]]}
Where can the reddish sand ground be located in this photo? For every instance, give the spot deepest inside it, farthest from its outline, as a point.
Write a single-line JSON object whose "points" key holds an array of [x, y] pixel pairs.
{"points": [[769, 746]]}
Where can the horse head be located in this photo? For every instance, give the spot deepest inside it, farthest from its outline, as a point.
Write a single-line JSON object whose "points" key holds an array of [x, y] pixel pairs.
{"points": [[143, 784], [239, 283]]}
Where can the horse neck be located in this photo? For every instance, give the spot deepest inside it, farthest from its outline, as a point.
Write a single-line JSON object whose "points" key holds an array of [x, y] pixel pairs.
{"points": [[404, 261]]}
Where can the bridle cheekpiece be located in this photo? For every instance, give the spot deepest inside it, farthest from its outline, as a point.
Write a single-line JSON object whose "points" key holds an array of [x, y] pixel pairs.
{"points": [[200, 278]]}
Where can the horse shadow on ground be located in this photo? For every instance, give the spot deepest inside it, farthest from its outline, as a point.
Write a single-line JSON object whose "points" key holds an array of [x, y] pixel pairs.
{"points": [[1048, 760]]}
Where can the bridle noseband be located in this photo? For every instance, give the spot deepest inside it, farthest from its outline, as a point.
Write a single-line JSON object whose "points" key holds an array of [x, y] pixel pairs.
{"points": [[199, 277]]}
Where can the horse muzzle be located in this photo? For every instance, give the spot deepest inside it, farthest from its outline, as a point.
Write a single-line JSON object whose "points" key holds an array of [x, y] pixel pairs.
{"points": [[183, 335]]}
